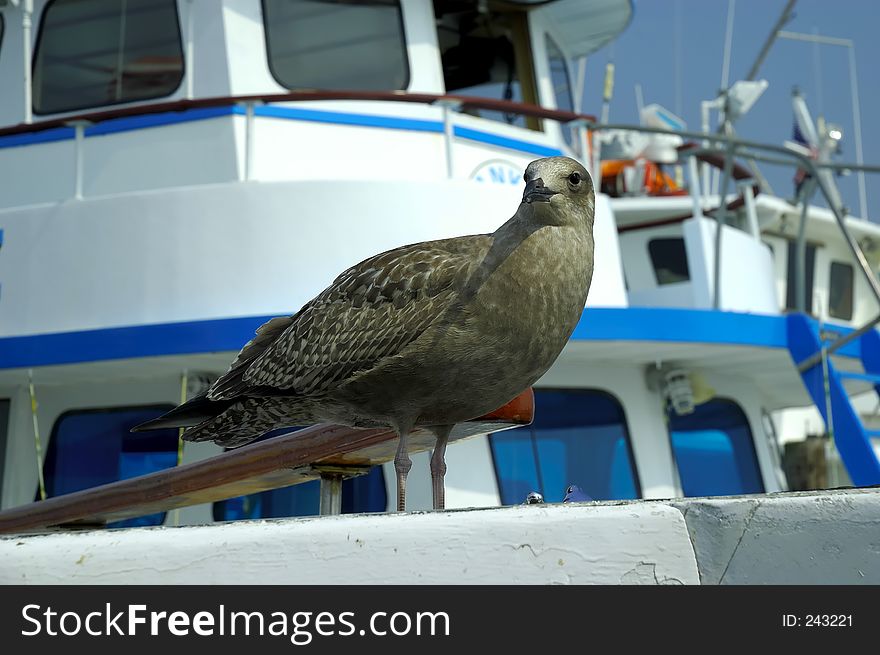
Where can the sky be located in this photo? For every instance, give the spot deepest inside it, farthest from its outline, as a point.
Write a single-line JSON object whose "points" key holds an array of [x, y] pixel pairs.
{"points": [[645, 53]]}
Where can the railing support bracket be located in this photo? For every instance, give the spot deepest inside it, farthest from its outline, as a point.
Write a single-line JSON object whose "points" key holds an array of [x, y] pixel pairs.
{"points": [[331, 485]]}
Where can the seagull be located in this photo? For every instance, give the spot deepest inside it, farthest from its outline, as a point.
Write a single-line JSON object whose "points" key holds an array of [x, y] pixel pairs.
{"points": [[425, 335]]}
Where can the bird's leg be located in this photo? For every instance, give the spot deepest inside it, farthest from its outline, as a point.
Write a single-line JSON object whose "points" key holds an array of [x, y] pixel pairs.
{"points": [[402, 465], [438, 466]]}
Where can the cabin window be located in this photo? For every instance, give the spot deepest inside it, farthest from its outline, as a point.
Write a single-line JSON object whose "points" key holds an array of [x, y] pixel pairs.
{"points": [[809, 270], [578, 437], [102, 52], [840, 291], [365, 493], [561, 81], [486, 53], [89, 448], [669, 259], [346, 44], [714, 450]]}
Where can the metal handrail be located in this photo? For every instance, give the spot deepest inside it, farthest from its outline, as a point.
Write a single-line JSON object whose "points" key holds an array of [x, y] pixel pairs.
{"points": [[325, 452], [525, 109], [819, 172], [815, 168], [508, 106]]}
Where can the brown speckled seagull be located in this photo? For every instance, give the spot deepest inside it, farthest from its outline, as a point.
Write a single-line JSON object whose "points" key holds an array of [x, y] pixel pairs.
{"points": [[430, 334]]}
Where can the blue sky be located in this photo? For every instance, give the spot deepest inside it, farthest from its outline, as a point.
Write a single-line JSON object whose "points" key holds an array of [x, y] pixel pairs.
{"points": [[645, 54]]}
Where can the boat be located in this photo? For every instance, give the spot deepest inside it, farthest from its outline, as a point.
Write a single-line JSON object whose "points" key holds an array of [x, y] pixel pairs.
{"points": [[175, 173]]}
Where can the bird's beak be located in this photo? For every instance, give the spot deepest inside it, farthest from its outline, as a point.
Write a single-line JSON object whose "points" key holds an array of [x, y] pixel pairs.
{"points": [[537, 192]]}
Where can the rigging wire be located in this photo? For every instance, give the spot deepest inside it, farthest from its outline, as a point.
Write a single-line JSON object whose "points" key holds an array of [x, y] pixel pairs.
{"points": [[38, 445]]}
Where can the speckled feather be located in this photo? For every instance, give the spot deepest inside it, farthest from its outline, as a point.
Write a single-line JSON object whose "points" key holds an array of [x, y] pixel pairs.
{"points": [[370, 312], [427, 334]]}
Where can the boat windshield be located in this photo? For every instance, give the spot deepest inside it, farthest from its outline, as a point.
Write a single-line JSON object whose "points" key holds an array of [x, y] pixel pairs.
{"points": [[579, 436], [486, 54], [92, 53], [314, 44]]}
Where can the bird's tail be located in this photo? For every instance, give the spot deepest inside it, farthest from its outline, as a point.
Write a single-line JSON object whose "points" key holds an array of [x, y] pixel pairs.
{"points": [[193, 412], [248, 419]]}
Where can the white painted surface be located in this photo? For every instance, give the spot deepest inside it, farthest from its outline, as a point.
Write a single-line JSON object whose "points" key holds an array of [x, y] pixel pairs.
{"points": [[747, 273], [470, 478], [209, 67], [576, 544], [463, 489], [643, 288], [678, 294], [232, 250], [746, 268], [829, 537], [608, 288], [425, 68], [246, 49]]}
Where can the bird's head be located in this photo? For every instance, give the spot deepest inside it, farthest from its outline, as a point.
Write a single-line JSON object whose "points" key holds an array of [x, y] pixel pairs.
{"points": [[559, 191]]}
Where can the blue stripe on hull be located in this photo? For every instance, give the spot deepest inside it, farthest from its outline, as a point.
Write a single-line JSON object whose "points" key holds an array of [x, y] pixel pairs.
{"points": [[125, 342], [681, 325], [230, 334]]}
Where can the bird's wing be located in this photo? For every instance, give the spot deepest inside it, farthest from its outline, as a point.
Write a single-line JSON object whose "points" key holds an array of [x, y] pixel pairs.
{"points": [[370, 312]]}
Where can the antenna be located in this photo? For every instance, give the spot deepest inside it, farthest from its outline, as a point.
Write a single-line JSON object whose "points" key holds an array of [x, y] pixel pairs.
{"points": [[640, 101], [817, 72], [676, 55], [728, 44], [854, 91], [580, 77], [784, 17], [722, 103]]}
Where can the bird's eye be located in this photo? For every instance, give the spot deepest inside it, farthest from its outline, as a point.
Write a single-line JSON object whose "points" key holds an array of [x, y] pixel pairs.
{"points": [[575, 178]]}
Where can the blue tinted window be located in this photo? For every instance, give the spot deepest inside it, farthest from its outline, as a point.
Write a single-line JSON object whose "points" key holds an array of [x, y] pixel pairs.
{"points": [[299, 500], [365, 493], [91, 448], [714, 450], [578, 437]]}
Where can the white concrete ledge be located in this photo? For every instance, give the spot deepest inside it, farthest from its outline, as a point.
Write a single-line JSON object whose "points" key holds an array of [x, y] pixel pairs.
{"points": [[634, 543], [801, 538], [830, 537]]}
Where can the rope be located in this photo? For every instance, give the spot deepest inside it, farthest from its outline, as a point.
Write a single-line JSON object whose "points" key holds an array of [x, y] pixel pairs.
{"points": [[38, 446], [184, 382]]}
